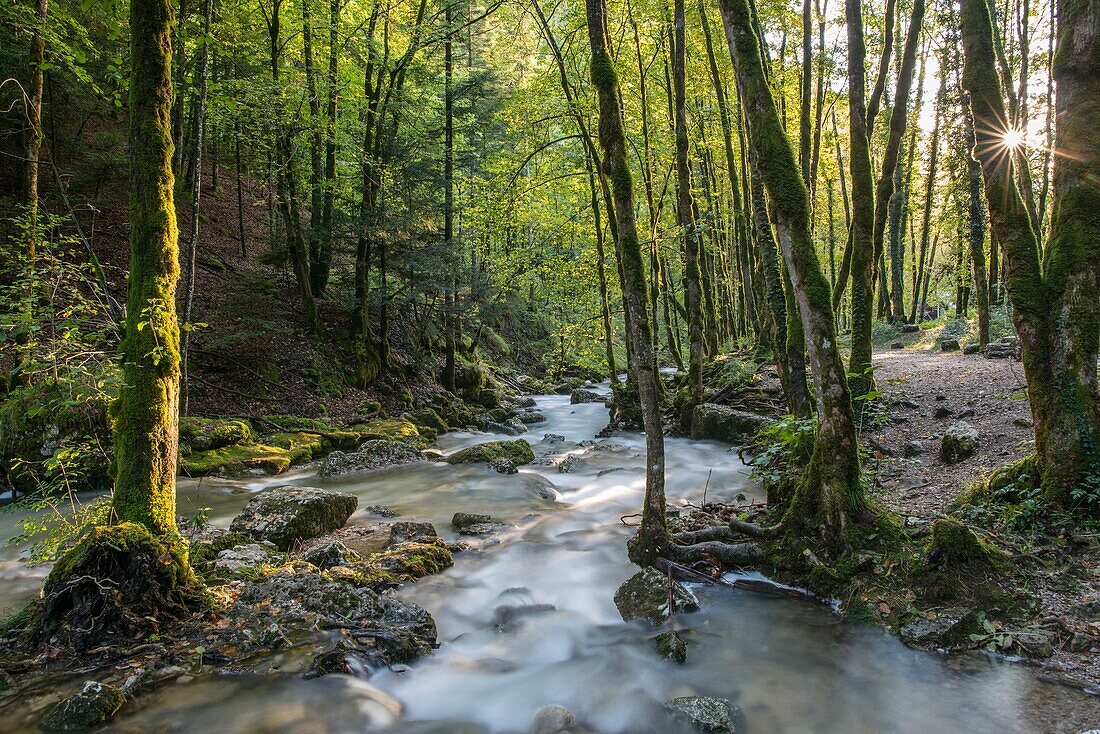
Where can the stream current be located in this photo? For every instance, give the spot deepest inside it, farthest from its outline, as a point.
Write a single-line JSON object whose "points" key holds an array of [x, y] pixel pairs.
{"points": [[792, 665]]}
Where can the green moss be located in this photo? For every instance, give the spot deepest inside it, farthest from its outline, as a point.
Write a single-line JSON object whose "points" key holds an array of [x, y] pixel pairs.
{"points": [[391, 430], [235, 460], [958, 544], [201, 434], [301, 447], [365, 575], [202, 552], [518, 451], [413, 560]]}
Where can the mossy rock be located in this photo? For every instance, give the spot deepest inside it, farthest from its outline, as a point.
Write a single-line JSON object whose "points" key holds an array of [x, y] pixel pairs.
{"points": [[289, 514], [518, 451], [952, 543], [469, 375], [238, 460], [205, 550], [645, 595], [392, 430], [119, 583], [414, 560], [722, 423], [94, 706], [332, 437], [428, 418], [300, 446], [205, 434]]}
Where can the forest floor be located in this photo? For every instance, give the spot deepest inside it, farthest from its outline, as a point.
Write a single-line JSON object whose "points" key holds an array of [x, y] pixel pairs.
{"points": [[928, 390]]}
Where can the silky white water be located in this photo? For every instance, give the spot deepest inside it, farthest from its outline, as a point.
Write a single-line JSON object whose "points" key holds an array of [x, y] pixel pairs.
{"points": [[791, 665]]}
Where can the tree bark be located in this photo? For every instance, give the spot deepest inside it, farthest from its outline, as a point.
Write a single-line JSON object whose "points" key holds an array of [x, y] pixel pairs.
{"points": [[652, 539], [830, 497], [146, 413], [1055, 308]]}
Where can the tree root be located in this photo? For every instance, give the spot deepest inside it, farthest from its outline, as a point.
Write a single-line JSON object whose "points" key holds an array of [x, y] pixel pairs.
{"points": [[726, 554], [689, 537], [751, 529]]}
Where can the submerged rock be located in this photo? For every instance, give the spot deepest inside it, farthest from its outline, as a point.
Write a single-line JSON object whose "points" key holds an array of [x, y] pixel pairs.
{"points": [[959, 442], [708, 714], [672, 647], [518, 451], [645, 596], [469, 524], [529, 417], [722, 423], [288, 514], [553, 719], [503, 465], [540, 487], [376, 454], [570, 464], [553, 438], [94, 706]]}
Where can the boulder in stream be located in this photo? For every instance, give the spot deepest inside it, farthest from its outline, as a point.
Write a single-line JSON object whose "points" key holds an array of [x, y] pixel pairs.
{"points": [[708, 714], [518, 451], [94, 706], [376, 454], [579, 396], [288, 514], [331, 553], [645, 596], [722, 423]]}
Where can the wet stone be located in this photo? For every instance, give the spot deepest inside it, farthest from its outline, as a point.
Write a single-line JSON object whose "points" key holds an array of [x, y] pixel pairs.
{"points": [[708, 714], [94, 706]]}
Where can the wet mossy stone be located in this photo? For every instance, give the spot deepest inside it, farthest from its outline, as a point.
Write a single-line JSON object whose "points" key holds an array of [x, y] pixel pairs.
{"points": [[236, 461], [289, 514], [645, 595], [374, 454], [949, 628], [462, 520], [414, 560], [722, 423], [391, 430], [204, 434], [579, 396], [404, 532], [959, 442], [94, 706], [469, 375], [716, 715], [672, 647], [518, 451], [331, 553], [300, 446], [332, 437], [118, 583]]}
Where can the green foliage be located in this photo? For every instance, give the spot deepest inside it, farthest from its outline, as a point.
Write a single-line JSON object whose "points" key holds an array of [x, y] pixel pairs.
{"points": [[780, 452], [53, 523]]}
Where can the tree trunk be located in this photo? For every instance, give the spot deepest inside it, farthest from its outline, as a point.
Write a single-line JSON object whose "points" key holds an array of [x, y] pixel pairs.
{"points": [[652, 539], [686, 214], [829, 497], [916, 315], [196, 200], [1055, 308], [976, 234], [146, 413], [28, 185]]}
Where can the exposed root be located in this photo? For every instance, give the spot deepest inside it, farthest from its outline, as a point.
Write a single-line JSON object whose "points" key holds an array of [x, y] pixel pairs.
{"points": [[708, 533], [751, 529], [725, 554]]}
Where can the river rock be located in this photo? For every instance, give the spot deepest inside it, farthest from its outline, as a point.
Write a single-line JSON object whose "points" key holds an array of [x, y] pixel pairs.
{"points": [[466, 523], [377, 454], [540, 487], [526, 401], [288, 514], [529, 417], [959, 442], [723, 423], [411, 561], [518, 451], [708, 714], [570, 464], [94, 706], [947, 629], [380, 511], [553, 438], [244, 558], [506, 614], [645, 596], [389, 629], [503, 465], [553, 719], [672, 647], [405, 532], [580, 395], [511, 427], [331, 553]]}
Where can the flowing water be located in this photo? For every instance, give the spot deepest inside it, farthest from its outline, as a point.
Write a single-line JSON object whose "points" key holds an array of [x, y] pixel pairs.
{"points": [[791, 665]]}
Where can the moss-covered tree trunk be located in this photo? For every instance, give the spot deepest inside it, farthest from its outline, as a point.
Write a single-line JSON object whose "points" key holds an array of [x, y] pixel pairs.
{"points": [[686, 210], [829, 497], [976, 233], [146, 414], [861, 234], [652, 539], [32, 136], [1056, 306]]}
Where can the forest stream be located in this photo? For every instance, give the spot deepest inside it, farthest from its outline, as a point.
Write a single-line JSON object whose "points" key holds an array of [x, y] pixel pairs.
{"points": [[528, 620]]}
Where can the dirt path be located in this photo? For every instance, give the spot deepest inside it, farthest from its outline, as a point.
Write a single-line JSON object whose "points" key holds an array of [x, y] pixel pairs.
{"points": [[930, 391]]}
